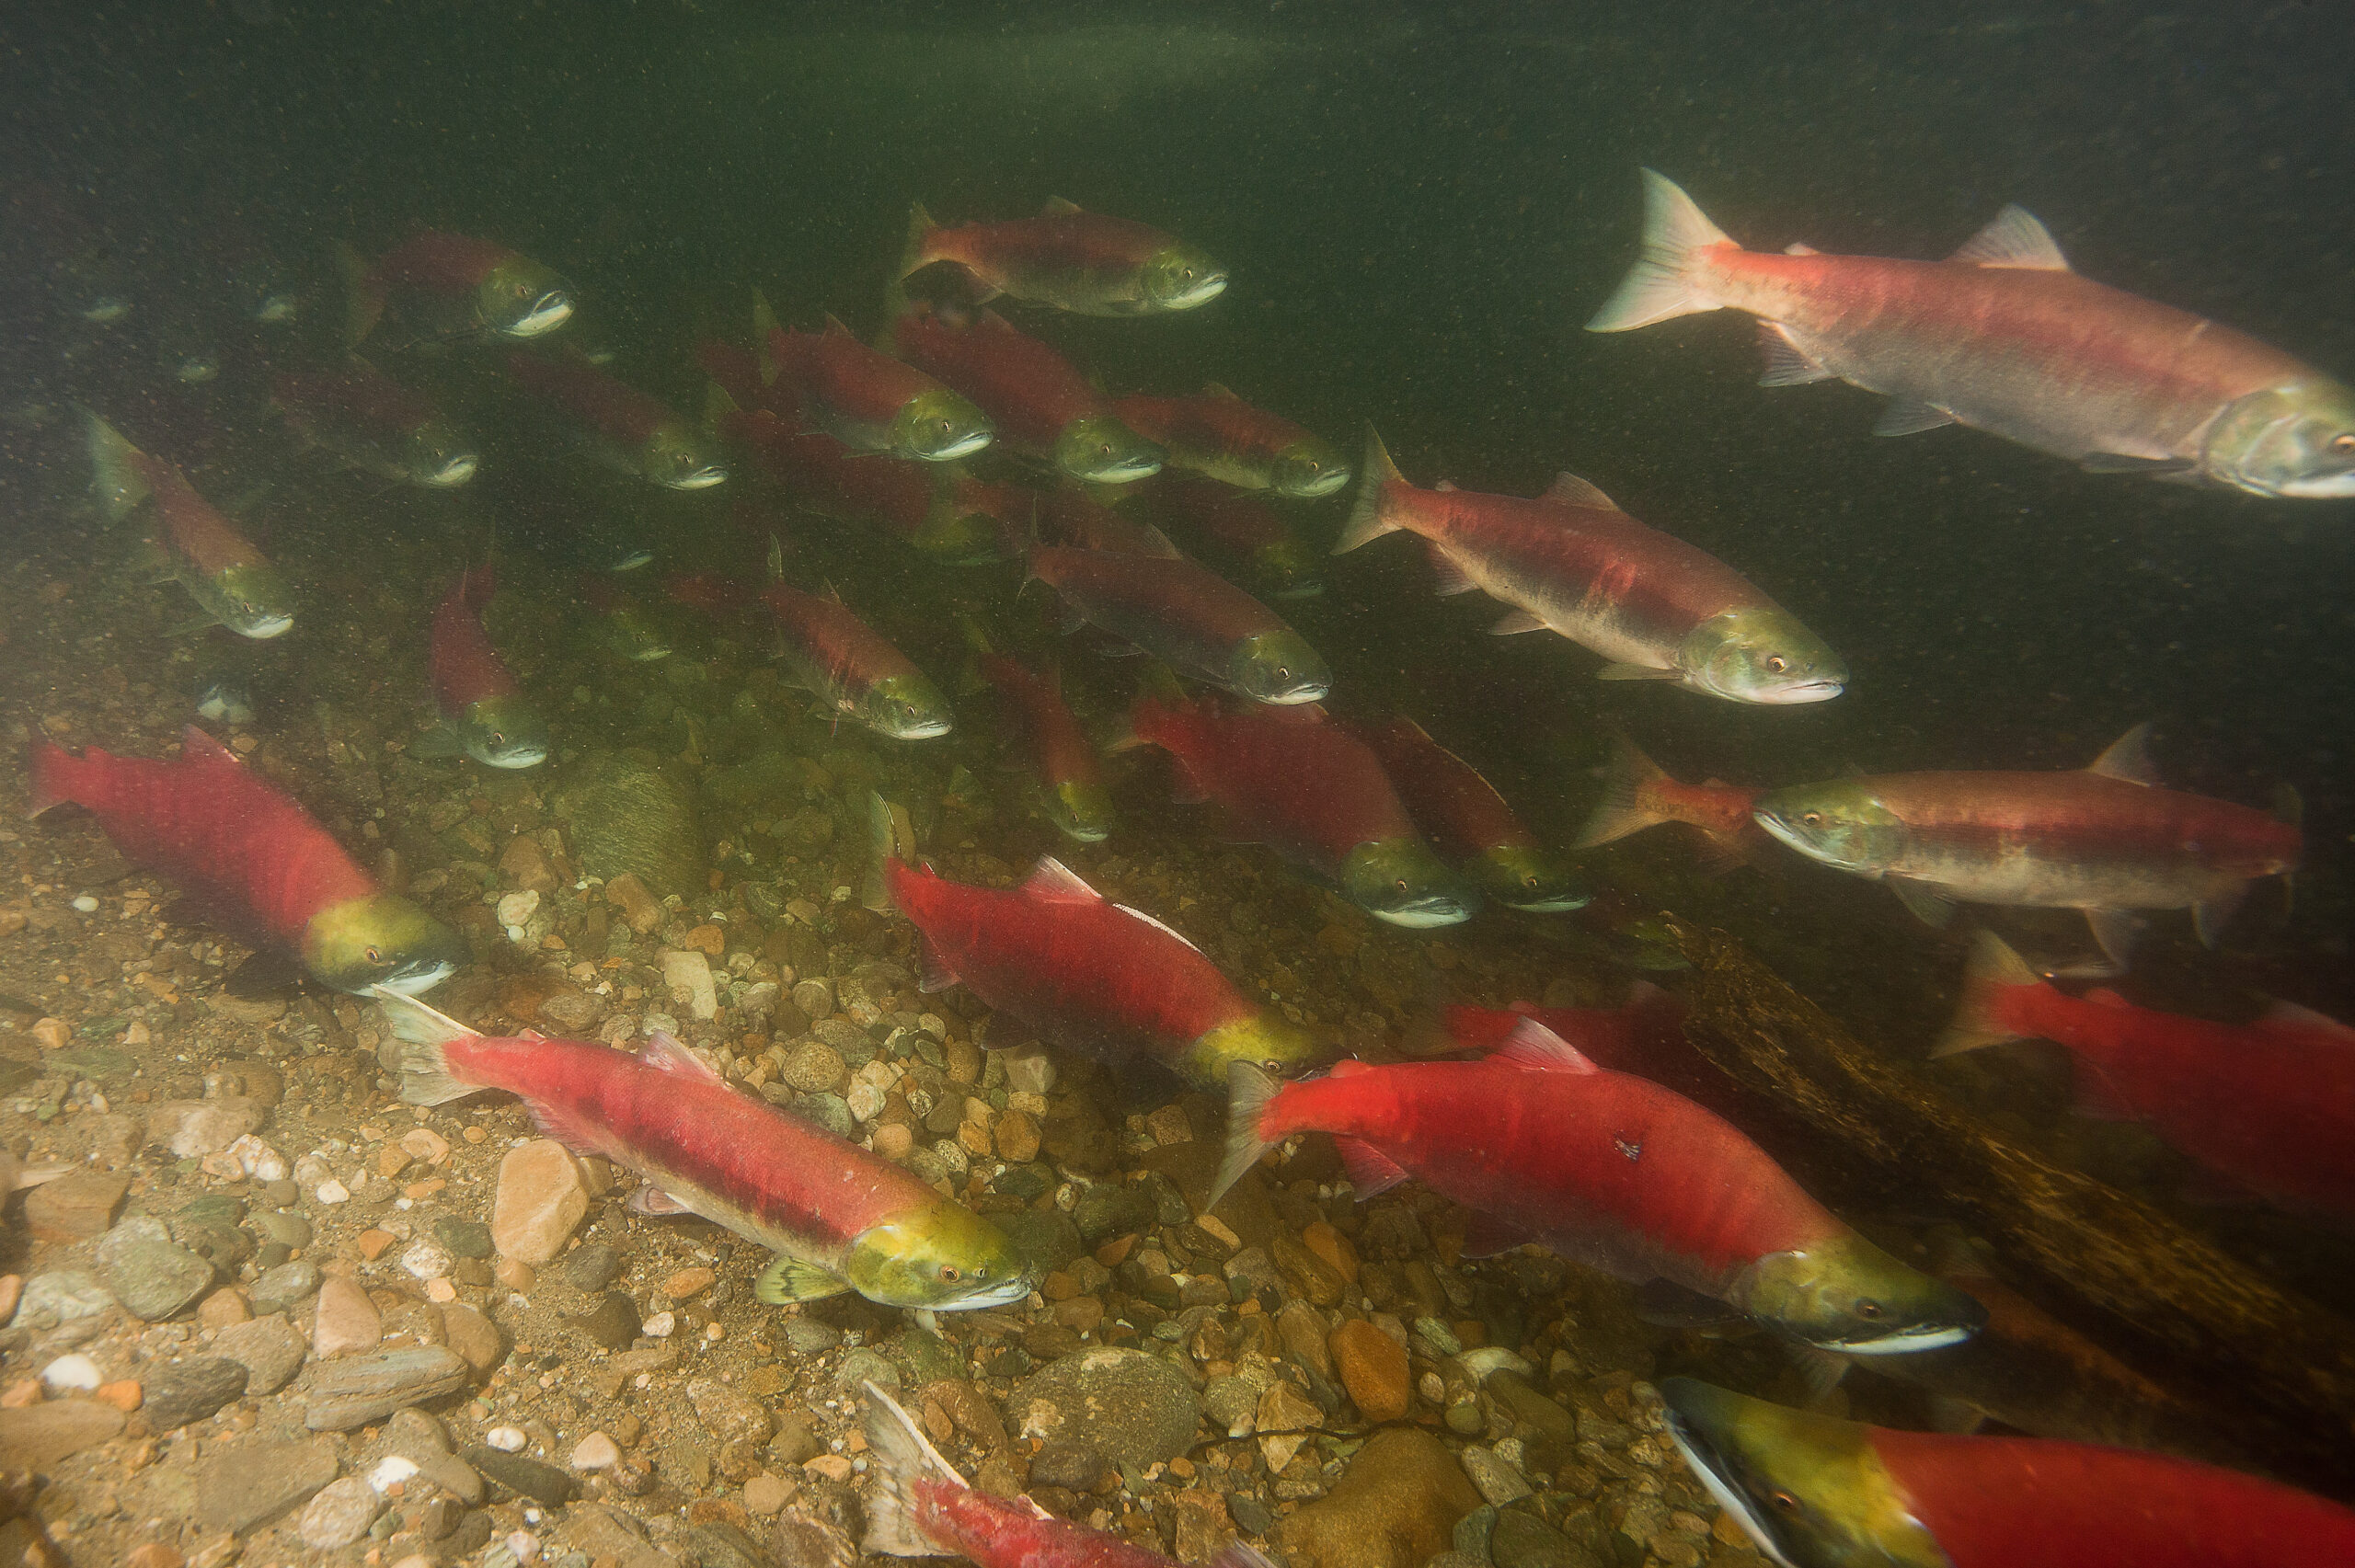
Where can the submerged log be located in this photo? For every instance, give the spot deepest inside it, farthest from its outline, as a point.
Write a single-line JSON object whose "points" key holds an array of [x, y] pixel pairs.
{"points": [[2277, 1370]]}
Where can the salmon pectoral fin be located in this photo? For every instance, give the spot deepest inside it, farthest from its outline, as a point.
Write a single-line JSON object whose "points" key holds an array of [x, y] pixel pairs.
{"points": [[1909, 416], [1372, 1172], [1929, 908], [2149, 467], [1787, 364], [2116, 931], [938, 976], [789, 1280], [1630, 671], [652, 1200], [1663, 1303], [2093, 1097], [2210, 916]]}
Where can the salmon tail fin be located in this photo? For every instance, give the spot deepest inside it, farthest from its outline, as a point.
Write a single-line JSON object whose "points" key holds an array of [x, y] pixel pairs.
{"points": [[1993, 967], [915, 252], [1366, 517], [889, 837], [1659, 286], [764, 331], [115, 466], [1249, 1088], [420, 1032], [1621, 811], [45, 785], [903, 1456], [364, 297], [718, 406]]}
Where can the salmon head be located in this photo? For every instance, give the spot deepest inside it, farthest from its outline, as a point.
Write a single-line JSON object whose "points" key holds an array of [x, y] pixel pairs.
{"points": [[1265, 1039], [956, 533], [1811, 1491], [1402, 881], [906, 707], [503, 732], [1178, 277], [435, 455], [2296, 440], [678, 458], [1760, 653], [628, 632], [1309, 468], [938, 425], [520, 298], [1843, 824], [1081, 810], [1279, 668], [1287, 568], [941, 1256], [1102, 451], [381, 940], [1529, 877], [1847, 1294], [252, 599]]}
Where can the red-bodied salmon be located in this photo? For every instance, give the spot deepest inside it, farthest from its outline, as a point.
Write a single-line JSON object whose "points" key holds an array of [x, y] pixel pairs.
{"points": [[1470, 824], [869, 401], [483, 711], [1189, 617], [370, 421], [849, 667], [444, 286], [1313, 793], [618, 425], [1220, 437], [838, 1218], [231, 581], [2270, 1105], [922, 1507], [1613, 1170], [1071, 780], [2004, 338], [932, 510], [1073, 260], [251, 862], [1814, 1492], [1039, 403], [1571, 562], [1638, 794], [1068, 516], [1238, 532], [2105, 840], [1089, 975]]}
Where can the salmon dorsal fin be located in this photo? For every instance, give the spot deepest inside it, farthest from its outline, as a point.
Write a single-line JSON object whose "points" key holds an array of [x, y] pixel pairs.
{"points": [[197, 745], [1569, 490], [1796, 249], [2288, 1017], [1221, 390], [2014, 239], [1052, 882], [1445, 486], [990, 321], [2128, 759], [664, 1054], [1157, 925], [834, 327], [1056, 207], [1533, 1045]]}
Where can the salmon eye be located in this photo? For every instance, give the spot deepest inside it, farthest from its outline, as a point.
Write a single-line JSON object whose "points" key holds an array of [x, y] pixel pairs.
{"points": [[1402, 885], [1272, 1066], [1782, 1503], [497, 738], [1871, 1311], [2344, 444], [1186, 272], [1777, 663], [1530, 881], [948, 1274], [1106, 450], [372, 955], [1813, 818]]}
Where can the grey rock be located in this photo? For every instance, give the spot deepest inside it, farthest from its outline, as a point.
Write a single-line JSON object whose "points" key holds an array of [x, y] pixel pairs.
{"points": [[1523, 1541], [190, 1390], [722, 1545], [339, 1515], [1075, 1467], [728, 1414], [591, 1266], [62, 1296], [1049, 1240], [288, 1285], [927, 1358], [251, 1484], [289, 1231], [150, 1274], [455, 1476], [612, 1322], [462, 1237], [597, 1530], [808, 1336], [1229, 1403], [416, 1435], [271, 1349], [1137, 1409], [523, 1476], [1472, 1531], [865, 1366], [799, 1541], [829, 1111], [1251, 1515], [38, 1436], [1498, 1481], [351, 1390]]}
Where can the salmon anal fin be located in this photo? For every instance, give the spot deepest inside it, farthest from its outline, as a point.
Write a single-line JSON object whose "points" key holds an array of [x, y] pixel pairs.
{"points": [[1787, 363], [2115, 930], [2014, 239], [1909, 416], [651, 1199], [1372, 1172], [1449, 578], [1515, 623], [555, 1124], [1485, 1235], [938, 976]]}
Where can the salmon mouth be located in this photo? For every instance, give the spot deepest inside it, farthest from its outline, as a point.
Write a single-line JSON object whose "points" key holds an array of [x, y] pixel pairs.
{"points": [[1016, 1289], [454, 473], [703, 478], [963, 446], [1800, 692], [419, 976], [548, 312]]}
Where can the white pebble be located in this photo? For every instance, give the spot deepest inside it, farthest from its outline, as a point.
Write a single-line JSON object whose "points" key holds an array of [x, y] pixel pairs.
{"points": [[506, 1440], [87, 904], [333, 1191], [72, 1372], [524, 1545], [428, 1260], [257, 1159], [516, 908], [390, 1471], [660, 1325], [597, 1451]]}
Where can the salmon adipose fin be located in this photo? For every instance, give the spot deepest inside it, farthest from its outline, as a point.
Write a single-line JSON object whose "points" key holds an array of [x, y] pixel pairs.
{"points": [[1620, 812], [1993, 967], [890, 836], [1367, 521], [903, 1457], [1657, 287], [1249, 1087], [422, 1031]]}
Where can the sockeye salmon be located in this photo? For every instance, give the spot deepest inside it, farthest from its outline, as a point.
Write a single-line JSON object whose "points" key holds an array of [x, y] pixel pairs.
{"points": [[1638, 794], [376, 424], [869, 401], [1071, 780], [1041, 405], [1571, 562], [1306, 787], [483, 711], [252, 863], [2004, 338], [915, 501], [838, 1218], [2105, 840], [446, 286], [2268, 1105], [1189, 617], [1241, 532], [1470, 824], [1089, 975], [850, 669], [1612, 1170], [231, 581], [1073, 260], [1818, 1493], [1220, 437], [620, 426]]}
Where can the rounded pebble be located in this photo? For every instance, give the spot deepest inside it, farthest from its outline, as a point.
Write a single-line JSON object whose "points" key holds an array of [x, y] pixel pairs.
{"points": [[72, 1372], [506, 1440], [660, 1325], [597, 1451], [87, 904]]}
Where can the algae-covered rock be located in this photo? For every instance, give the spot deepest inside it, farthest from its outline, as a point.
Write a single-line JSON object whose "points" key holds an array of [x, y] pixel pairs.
{"points": [[623, 811]]}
